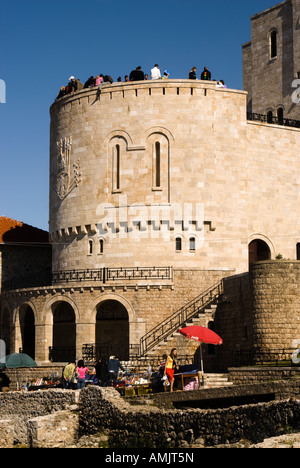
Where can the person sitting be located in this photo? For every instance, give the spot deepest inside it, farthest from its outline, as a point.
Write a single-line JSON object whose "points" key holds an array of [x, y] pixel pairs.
{"points": [[90, 82], [62, 92]]}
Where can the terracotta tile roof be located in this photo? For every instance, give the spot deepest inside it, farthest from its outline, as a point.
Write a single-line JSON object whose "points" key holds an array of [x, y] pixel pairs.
{"points": [[12, 231]]}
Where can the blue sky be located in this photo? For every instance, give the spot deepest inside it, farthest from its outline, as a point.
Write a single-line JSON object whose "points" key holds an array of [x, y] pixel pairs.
{"points": [[43, 42]]}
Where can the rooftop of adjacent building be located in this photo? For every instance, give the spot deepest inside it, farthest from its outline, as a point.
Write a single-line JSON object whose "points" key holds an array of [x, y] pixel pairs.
{"points": [[15, 232]]}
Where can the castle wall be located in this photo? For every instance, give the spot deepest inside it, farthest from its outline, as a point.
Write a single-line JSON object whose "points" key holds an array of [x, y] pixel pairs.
{"points": [[228, 172], [147, 305]]}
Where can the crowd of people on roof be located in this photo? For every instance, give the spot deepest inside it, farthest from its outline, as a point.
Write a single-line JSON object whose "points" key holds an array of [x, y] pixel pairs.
{"points": [[75, 84]]}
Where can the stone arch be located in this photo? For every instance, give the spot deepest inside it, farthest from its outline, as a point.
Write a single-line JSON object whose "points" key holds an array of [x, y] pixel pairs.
{"points": [[5, 327], [60, 317], [260, 248], [113, 297], [113, 316], [24, 327], [160, 130], [27, 329]]}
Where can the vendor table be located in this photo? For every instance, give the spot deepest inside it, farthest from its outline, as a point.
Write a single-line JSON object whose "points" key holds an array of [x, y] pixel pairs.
{"points": [[190, 375]]}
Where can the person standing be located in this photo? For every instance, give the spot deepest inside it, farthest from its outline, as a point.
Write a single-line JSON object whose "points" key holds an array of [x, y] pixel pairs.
{"points": [[137, 74], [69, 375], [192, 74], [81, 371], [170, 368], [113, 370], [206, 75], [155, 73]]}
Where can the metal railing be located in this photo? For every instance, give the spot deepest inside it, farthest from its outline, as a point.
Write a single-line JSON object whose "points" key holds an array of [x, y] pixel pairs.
{"points": [[179, 318], [270, 119], [274, 357], [104, 275]]}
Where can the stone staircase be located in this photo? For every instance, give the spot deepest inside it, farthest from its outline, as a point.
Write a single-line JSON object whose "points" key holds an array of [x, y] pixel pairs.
{"points": [[194, 312], [217, 380], [202, 319]]}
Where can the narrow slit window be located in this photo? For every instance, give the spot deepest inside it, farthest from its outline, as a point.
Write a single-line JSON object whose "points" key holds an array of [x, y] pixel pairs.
{"points": [[157, 164], [116, 167], [101, 246], [90, 247], [273, 44]]}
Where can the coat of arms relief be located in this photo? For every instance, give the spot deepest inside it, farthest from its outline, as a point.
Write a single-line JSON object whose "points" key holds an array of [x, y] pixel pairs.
{"points": [[68, 176]]}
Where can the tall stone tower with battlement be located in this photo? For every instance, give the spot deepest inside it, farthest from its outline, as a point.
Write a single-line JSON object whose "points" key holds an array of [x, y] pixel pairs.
{"points": [[271, 62]]}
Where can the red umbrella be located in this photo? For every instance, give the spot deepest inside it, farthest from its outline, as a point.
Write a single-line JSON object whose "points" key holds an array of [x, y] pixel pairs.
{"points": [[203, 335]]}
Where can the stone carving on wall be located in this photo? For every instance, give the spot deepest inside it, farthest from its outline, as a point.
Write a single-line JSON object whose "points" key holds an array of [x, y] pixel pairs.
{"points": [[68, 176]]}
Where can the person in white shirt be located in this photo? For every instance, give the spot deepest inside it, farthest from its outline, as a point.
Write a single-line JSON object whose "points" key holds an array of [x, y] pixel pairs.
{"points": [[155, 73]]}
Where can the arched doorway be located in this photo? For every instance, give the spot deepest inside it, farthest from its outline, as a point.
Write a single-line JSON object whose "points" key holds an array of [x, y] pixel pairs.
{"points": [[258, 251], [27, 328], [112, 330], [5, 331], [64, 333]]}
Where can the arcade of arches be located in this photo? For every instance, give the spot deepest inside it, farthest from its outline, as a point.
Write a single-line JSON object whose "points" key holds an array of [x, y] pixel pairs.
{"points": [[111, 331], [60, 335]]}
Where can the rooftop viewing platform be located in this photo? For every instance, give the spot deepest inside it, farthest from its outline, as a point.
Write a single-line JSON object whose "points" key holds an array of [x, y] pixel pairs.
{"points": [[163, 87], [170, 87]]}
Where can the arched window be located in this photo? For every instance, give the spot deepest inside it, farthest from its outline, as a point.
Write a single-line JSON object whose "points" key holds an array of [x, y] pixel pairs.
{"points": [[90, 247], [273, 44], [116, 183], [192, 244], [157, 165], [270, 117], [178, 244], [280, 115], [101, 246]]}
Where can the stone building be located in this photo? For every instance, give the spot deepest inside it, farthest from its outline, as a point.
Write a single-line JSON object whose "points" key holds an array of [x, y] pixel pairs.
{"points": [[271, 62], [25, 260], [162, 193]]}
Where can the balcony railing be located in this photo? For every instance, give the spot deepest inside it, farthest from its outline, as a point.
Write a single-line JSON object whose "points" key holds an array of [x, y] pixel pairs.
{"points": [[270, 119], [273, 357], [105, 275]]}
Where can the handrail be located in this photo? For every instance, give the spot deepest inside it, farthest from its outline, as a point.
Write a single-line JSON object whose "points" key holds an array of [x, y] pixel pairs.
{"points": [[179, 318]]}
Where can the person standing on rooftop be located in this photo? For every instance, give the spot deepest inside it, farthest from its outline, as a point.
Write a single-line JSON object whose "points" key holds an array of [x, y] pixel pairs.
{"points": [[155, 73]]}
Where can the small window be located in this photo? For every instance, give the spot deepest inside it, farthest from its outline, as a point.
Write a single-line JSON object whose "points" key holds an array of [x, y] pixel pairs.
{"points": [[116, 168], [157, 165], [178, 244], [192, 244], [280, 115], [273, 44], [298, 251], [101, 246], [270, 117], [90, 247]]}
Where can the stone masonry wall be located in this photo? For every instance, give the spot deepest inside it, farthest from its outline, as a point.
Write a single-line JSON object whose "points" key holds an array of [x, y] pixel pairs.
{"points": [[149, 427]]}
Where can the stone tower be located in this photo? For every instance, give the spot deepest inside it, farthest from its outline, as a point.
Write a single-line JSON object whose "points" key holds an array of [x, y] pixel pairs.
{"points": [[271, 62]]}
